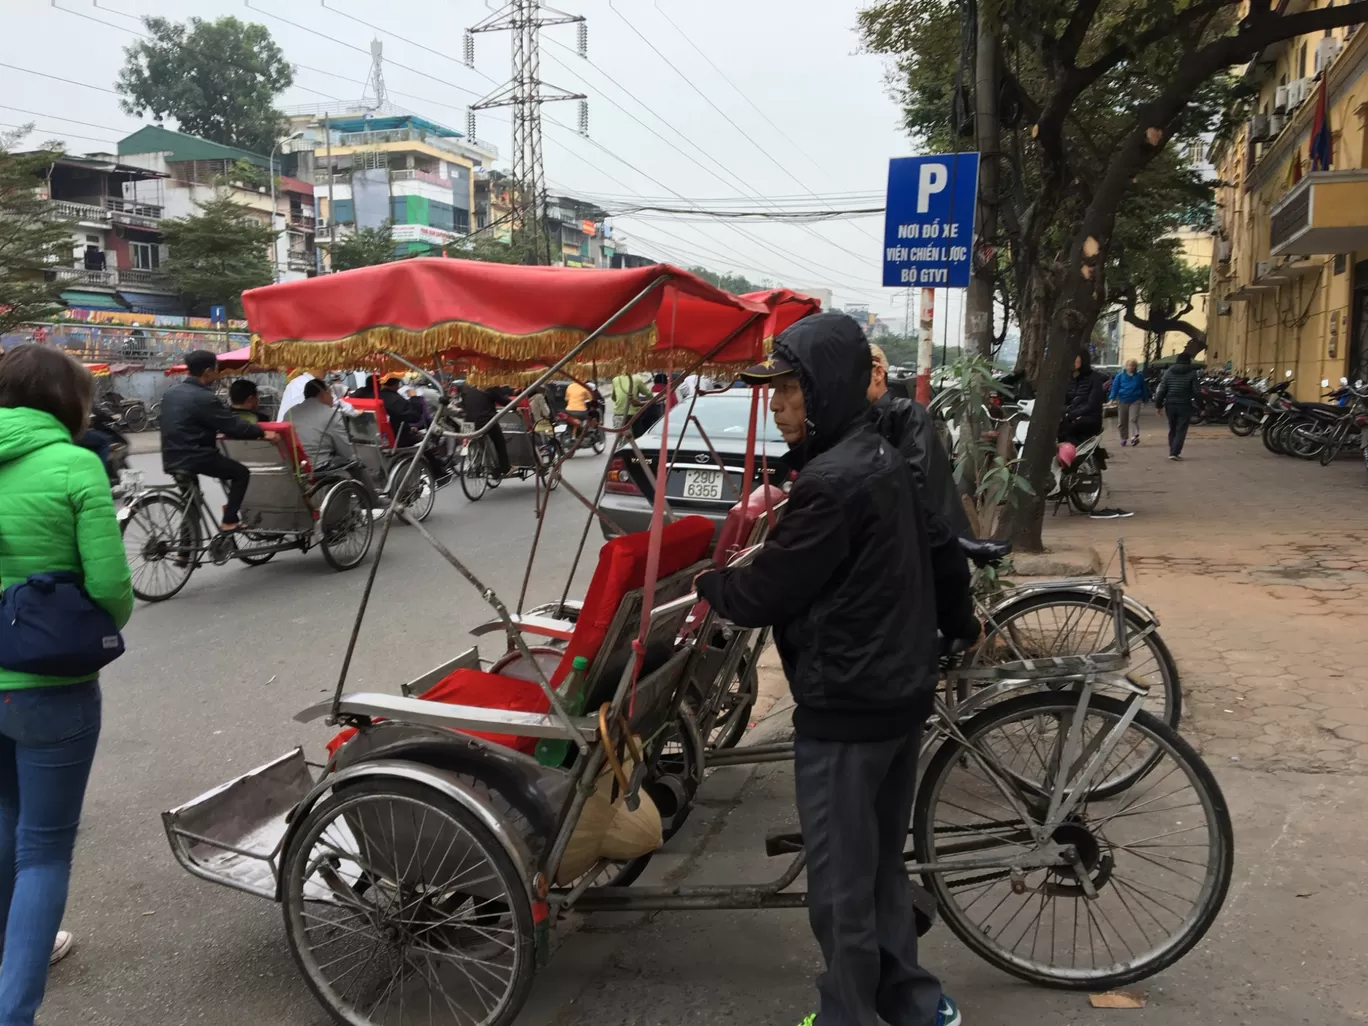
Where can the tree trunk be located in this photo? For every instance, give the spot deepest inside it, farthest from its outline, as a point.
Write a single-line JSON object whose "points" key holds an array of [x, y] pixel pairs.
{"points": [[978, 298]]}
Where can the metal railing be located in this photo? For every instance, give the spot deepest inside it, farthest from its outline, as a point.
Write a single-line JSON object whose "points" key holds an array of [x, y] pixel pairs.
{"points": [[79, 211], [155, 280]]}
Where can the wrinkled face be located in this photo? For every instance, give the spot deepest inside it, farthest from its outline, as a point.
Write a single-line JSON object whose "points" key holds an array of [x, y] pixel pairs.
{"points": [[1131, 366], [789, 409]]}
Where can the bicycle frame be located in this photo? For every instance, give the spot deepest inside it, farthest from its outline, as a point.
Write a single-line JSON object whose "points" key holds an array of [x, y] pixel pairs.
{"points": [[1080, 764]]}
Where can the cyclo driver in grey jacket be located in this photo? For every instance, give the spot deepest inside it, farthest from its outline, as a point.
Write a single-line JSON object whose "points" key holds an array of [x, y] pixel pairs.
{"points": [[845, 581]]}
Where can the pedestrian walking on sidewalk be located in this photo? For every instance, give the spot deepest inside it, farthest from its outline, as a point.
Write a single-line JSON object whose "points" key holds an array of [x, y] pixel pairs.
{"points": [[845, 581], [1177, 391], [56, 516], [1130, 392]]}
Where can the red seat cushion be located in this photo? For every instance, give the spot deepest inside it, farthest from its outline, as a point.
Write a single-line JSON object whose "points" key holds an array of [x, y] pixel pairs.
{"points": [[377, 407], [621, 568]]}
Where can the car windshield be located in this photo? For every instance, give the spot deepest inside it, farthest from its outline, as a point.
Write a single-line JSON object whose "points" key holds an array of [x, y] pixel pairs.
{"points": [[722, 417]]}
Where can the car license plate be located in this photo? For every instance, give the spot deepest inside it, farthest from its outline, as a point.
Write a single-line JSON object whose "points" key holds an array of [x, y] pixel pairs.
{"points": [[702, 484]]}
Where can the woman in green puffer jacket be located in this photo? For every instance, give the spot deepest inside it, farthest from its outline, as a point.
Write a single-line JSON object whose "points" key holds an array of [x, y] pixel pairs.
{"points": [[56, 513]]}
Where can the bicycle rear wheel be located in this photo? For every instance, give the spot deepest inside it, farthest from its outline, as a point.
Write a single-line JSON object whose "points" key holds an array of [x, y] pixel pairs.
{"points": [[1159, 854], [1074, 623], [162, 545]]}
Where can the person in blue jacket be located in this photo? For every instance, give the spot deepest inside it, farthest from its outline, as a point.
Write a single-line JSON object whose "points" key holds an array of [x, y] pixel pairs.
{"points": [[1130, 392]]}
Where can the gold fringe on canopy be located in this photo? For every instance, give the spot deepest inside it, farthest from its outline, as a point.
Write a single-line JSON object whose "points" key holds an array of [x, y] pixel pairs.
{"points": [[459, 338]]}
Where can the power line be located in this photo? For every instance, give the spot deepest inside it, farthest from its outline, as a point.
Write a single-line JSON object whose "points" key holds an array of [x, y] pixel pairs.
{"points": [[58, 78], [754, 197], [739, 92], [692, 85], [821, 273], [70, 135], [55, 117], [180, 46]]}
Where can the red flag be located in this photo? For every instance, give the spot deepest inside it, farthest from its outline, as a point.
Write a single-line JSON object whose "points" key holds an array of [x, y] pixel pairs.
{"points": [[1321, 143]]}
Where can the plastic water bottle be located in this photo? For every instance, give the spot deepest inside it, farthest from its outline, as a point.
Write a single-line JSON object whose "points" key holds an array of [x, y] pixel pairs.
{"points": [[554, 751]]}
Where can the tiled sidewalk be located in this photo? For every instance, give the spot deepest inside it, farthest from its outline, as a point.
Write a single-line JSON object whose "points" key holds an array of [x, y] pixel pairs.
{"points": [[1256, 565]]}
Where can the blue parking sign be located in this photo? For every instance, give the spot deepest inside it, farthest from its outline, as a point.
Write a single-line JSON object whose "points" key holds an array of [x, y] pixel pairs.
{"points": [[929, 220], [218, 314]]}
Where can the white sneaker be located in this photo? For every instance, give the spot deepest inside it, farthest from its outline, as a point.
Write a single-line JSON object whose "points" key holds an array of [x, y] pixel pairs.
{"points": [[61, 947]]}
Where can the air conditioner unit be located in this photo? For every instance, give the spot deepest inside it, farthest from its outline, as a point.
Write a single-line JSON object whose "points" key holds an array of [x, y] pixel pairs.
{"points": [[1297, 91], [1280, 99], [1223, 251], [1275, 125], [1327, 50], [1262, 269], [1258, 128], [1223, 308]]}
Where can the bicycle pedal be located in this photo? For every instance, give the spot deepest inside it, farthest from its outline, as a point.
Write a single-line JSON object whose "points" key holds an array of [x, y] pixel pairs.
{"points": [[783, 842]]}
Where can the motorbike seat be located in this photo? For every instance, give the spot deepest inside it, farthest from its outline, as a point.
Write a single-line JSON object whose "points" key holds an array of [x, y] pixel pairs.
{"points": [[1324, 410], [985, 551]]}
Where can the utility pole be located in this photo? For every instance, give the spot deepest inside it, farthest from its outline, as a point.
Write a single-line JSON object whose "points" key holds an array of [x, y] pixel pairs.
{"points": [[525, 92], [332, 208], [926, 345], [978, 298]]}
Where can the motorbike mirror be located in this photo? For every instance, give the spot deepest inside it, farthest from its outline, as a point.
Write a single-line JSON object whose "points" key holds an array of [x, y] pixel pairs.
{"points": [[1325, 382], [1289, 374], [1344, 381]]}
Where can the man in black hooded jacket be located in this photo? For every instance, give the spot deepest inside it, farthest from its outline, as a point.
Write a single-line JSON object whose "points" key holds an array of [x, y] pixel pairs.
{"points": [[845, 581]]}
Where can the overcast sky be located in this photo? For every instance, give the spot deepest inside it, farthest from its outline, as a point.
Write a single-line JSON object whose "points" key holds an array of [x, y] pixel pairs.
{"points": [[804, 117]]}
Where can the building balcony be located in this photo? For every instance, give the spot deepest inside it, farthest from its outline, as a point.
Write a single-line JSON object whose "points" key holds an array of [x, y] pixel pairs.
{"points": [[143, 281], [415, 174], [302, 222], [137, 215], [85, 213], [300, 261], [1326, 212]]}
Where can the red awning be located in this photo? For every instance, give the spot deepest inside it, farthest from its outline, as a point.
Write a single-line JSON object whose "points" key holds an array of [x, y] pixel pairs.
{"points": [[504, 315]]}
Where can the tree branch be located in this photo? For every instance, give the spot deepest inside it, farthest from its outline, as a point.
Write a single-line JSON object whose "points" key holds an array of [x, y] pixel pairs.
{"points": [[1071, 40]]}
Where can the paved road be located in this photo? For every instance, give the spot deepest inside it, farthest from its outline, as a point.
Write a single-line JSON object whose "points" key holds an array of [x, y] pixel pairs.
{"points": [[207, 690]]}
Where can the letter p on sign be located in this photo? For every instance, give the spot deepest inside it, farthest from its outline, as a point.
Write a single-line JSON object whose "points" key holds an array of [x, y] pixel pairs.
{"points": [[931, 179]]}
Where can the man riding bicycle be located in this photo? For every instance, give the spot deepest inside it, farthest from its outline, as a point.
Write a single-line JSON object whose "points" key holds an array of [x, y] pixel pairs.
{"points": [[191, 420]]}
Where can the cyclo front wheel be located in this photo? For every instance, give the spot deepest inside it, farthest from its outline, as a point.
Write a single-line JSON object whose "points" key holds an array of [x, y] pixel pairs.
{"points": [[161, 538], [396, 896], [1158, 855]]}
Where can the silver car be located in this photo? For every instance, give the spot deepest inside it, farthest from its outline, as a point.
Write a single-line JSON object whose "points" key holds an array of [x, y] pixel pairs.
{"points": [[695, 484]]}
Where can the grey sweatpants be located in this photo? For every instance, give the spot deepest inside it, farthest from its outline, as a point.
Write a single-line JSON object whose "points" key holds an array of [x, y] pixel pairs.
{"points": [[1128, 420], [854, 806]]}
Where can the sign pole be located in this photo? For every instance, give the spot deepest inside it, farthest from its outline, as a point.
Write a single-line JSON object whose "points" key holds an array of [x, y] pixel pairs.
{"points": [[926, 347]]}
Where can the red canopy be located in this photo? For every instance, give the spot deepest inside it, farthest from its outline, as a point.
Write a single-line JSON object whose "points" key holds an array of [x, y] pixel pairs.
{"points": [[500, 316], [234, 359], [785, 307]]}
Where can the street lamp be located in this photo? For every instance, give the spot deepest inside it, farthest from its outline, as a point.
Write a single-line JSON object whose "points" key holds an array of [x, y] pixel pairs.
{"points": [[275, 240]]}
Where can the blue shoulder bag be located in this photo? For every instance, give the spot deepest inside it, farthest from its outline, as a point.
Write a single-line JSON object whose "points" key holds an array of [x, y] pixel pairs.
{"points": [[50, 626]]}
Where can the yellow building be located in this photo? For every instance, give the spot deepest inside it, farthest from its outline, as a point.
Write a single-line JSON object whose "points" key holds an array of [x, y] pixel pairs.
{"points": [[1127, 342], [1289, 284]]}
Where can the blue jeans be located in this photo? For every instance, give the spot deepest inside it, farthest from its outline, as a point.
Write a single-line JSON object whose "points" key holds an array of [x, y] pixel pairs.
{"points": [[47, 743]]}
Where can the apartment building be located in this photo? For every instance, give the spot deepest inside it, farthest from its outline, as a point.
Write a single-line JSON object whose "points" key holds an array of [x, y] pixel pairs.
{"points": [[1289, 284]]}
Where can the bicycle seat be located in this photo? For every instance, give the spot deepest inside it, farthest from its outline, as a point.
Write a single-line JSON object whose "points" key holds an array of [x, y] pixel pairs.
{"points": [[985, 551], [186, 480]]}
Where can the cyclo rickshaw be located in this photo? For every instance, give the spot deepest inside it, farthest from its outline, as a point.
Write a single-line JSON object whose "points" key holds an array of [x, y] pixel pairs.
{"points": [[456, 819]]}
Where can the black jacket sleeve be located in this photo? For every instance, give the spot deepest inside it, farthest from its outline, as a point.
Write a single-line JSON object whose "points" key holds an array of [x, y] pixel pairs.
{"points": [[798, 559], [213, 414]]}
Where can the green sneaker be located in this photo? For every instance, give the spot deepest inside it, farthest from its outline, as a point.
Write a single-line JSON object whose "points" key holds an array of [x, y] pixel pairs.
{"points": [[810, 1020]]}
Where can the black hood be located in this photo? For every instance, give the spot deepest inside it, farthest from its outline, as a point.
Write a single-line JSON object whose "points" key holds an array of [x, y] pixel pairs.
{"points": [[831, 357]]}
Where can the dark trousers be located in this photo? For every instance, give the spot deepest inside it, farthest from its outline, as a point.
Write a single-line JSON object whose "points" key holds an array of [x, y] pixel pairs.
{"points": [[1179, 415], [1077, 430], [855, 805], [496, 439], [233, 475], [100, 444]]}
